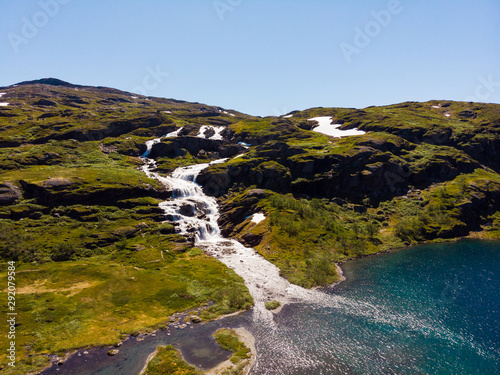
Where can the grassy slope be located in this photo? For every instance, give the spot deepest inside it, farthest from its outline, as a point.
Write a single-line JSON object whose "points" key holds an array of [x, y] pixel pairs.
{"points": [[87, 266]]}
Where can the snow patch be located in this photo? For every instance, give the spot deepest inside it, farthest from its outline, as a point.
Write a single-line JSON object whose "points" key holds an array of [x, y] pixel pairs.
{"points": [[4, 104], [134, 97], [326, 127], [287, 116], [257, 218], [167, 111], [436, 106], [2, 94], [447, 115], [217, 129]]}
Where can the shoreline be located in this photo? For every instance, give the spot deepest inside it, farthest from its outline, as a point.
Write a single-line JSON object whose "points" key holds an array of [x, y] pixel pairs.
{"points": [[444, 241], [179, 316], [244, 336]]}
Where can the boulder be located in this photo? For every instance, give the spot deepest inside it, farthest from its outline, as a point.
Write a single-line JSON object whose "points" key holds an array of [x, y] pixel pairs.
{"points": [[195, 319]]}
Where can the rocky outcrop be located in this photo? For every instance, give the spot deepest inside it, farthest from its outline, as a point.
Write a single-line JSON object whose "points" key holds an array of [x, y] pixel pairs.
{"points": [[194, 145], [485, 200], [9, 193], [375, 168], [62, 191], [267, 175], [235, 209]]}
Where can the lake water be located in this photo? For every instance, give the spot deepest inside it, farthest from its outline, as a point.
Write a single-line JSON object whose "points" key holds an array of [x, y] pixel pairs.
{"points": [[431, 309]]}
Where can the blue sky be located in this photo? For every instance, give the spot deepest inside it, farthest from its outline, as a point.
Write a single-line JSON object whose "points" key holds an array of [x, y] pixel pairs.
{"points": [[262, 57]]}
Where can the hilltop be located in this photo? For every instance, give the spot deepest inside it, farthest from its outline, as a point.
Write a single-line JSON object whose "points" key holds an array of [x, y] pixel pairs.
{"points": [[83, 223]]}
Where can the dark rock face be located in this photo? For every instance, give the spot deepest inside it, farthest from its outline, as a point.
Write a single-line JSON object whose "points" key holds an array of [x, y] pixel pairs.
{"points": [[9, 193], [178, 147], [233, 212], [45, 103], [60, 191], [267, 175], [485, 201], [251, 240], [373, 169]]}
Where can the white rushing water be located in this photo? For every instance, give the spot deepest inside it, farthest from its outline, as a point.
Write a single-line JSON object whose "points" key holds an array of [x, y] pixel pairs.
{"points": [[196, 214]]}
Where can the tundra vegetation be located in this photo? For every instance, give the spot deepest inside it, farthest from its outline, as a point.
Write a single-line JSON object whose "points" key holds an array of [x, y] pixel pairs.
{"points": [[96, 261]]}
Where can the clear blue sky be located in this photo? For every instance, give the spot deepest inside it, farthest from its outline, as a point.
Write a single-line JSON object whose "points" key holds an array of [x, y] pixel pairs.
{"points": [[262, 57]]}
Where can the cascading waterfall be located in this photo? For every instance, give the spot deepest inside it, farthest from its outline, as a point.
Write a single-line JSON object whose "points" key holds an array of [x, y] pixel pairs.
{"points": [[196, 214]]}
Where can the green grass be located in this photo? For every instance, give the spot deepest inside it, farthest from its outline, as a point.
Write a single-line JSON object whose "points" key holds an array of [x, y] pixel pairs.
{"points": [[169, 361], [92, 302], [272, 305], [229, 340]]}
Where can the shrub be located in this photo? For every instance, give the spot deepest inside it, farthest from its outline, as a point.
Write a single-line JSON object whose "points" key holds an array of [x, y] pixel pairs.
{"points": [[272, 305]]}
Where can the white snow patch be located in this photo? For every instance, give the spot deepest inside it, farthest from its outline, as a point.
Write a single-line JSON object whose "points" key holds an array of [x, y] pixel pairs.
{"points": [[174, 133], [326, 127], [447, 115], [2, 94], [257, 218], [227, 113], [217, 129], [4, 104], [436, 106], [287, 116], [167, 111], [134, 97]]}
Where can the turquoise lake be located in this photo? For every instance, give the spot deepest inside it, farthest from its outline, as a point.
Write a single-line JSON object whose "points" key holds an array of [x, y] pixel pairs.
{"points": [[431, 309]]}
